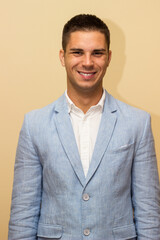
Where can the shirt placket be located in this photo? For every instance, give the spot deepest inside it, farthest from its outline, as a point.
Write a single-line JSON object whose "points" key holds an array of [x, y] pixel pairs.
{"points": [[84, 144]]}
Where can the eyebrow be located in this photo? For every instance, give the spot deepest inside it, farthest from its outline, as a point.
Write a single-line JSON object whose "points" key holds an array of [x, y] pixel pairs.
{"points": [[99, 50], [94, 50], [75, 49]]}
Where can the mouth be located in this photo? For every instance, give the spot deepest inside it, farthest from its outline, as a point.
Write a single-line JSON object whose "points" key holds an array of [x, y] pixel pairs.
{"points": [[87, 75]]}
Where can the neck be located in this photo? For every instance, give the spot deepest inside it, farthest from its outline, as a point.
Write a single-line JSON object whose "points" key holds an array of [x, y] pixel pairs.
{"points": [[85, 100]]}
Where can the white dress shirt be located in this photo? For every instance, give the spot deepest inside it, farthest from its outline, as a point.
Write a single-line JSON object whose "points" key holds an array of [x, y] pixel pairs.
{"points": [[85, 127]]}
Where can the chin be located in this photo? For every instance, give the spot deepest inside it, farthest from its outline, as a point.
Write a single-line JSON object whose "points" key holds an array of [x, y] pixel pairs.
{"points": [[89, 88]]}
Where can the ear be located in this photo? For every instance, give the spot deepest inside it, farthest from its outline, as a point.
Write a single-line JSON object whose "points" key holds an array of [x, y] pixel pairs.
{"points": [[61, 56], [109, 57]]}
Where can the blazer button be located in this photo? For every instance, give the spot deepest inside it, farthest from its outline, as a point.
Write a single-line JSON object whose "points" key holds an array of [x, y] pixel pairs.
{"points": [[86, 232], [85, 197]]}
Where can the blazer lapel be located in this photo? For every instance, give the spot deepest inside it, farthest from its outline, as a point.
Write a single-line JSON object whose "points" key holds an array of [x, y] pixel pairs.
{"points": [[67, 137], [107, 125]]}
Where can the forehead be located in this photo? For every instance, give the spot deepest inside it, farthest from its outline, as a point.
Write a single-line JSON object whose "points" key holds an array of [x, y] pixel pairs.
{"points": [[87, 40]]}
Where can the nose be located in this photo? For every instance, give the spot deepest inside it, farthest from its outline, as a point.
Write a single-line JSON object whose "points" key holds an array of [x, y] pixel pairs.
{"points": [[87, 60]]}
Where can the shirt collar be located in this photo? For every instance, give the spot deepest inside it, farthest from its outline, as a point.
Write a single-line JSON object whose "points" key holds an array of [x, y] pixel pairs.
{"points": [[98, 106]]}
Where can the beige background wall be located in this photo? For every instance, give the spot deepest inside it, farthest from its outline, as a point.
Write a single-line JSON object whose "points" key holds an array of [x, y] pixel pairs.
{"points": [[31, 75]]}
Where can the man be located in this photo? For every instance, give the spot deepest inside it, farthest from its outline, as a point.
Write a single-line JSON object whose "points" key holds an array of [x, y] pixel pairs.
{"points": [[85, 165]]}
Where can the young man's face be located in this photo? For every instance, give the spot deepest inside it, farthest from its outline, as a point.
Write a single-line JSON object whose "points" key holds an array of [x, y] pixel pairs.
{"points": [[86, 59]]}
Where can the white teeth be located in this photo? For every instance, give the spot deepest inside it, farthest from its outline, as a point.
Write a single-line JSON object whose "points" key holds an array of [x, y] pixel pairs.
{"points": [[86, 74]]}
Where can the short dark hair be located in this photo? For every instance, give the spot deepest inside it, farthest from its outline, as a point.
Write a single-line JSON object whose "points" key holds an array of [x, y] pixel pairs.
{"points": [[84, 22]]}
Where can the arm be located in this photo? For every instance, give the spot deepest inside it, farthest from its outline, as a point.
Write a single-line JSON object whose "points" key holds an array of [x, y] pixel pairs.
{"points": [[145, 188], [26, 195]]}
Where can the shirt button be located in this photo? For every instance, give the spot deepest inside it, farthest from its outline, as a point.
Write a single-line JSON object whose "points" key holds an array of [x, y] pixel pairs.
{"points": [[85, 197], [86, 232]]}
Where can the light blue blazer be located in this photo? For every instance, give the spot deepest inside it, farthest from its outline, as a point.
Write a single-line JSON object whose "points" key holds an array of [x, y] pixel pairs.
{"points": [[53, 200]]}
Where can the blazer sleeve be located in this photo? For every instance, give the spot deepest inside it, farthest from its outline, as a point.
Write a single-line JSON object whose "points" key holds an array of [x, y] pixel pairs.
{"points": [[26, 195], [145, 188]]}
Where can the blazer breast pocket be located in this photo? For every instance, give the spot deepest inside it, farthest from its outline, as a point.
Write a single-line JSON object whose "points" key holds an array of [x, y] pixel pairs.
{"points": [[120, 157], [121, 148]]}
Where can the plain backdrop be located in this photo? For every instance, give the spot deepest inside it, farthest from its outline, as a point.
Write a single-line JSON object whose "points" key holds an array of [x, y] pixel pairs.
{"points": [[31, 75]]}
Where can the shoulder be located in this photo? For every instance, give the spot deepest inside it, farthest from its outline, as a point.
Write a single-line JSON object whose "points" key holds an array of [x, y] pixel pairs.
{"points": [[41, 117], [125, 110], [129, 119]]}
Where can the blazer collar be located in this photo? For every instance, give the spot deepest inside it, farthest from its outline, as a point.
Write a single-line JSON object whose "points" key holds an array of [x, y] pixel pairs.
{"points": [[67, 137], [66, 134], [109, 104], [107, 126]]}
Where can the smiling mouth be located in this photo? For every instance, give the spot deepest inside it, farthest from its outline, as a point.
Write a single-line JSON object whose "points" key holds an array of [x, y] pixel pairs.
{"points": [[87, 74]]}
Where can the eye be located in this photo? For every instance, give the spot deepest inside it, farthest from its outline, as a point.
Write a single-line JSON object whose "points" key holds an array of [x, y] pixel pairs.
{"points": [[77, 53], [98, 54]]}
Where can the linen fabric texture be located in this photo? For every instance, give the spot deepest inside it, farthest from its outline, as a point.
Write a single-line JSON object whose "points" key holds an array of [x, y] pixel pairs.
{"points": [[122, 185]]}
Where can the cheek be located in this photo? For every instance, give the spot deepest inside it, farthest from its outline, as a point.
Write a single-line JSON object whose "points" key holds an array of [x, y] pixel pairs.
{"points": [[104, 66], [102, 63], [71, 64]]}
